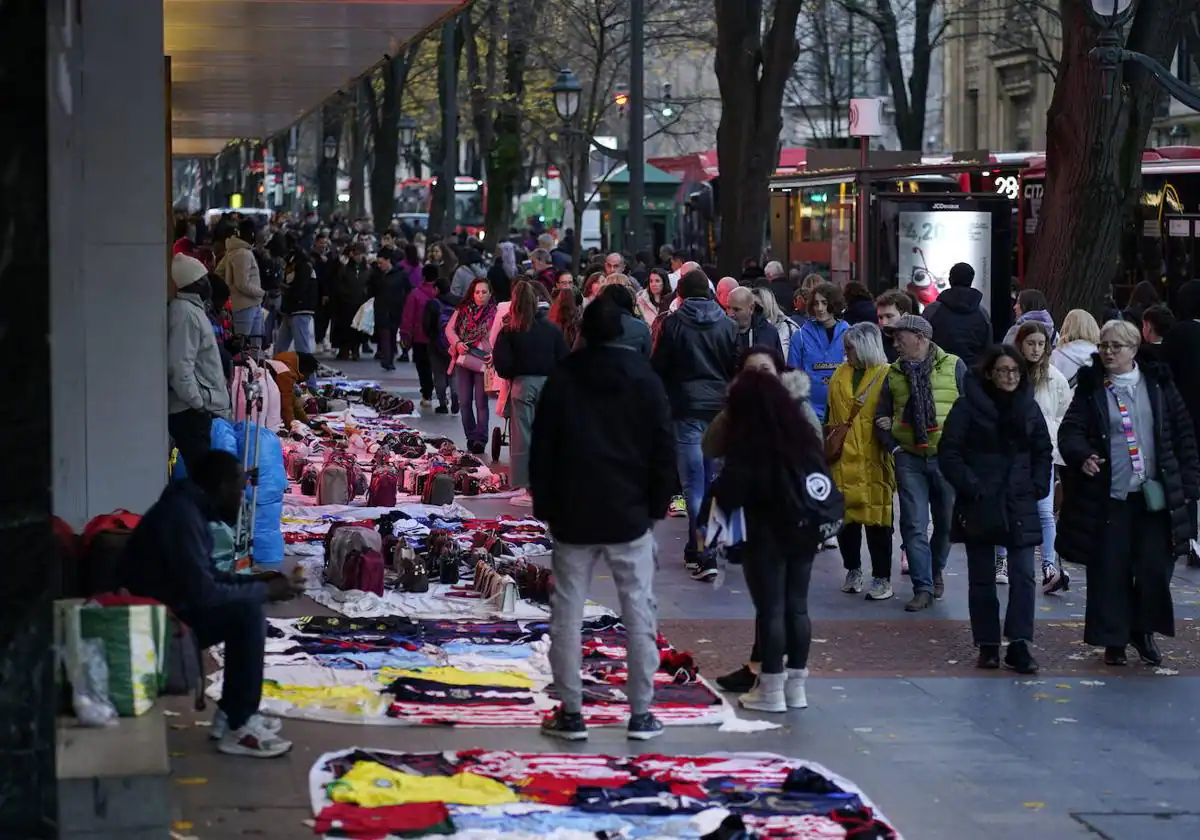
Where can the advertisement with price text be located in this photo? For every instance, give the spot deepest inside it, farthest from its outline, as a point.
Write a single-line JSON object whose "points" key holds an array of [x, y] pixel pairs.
{"points": [[931, 241]]}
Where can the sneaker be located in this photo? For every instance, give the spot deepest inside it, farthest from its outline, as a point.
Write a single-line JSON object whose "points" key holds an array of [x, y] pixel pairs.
{"points": [[678, 507], [1018, 658], [454, 405], [854, 581], [880, 590], [741, 680], [920, 601], [522, 499], [1049, 577], [566, 726], [795, 695], [643, 727], [829, 544], [253, 740], [441, 409], [767, 695], [706, 570], [426, 403], [1062, 582], [1002, 571], [939, 586], [903, 562], [220, 724]]}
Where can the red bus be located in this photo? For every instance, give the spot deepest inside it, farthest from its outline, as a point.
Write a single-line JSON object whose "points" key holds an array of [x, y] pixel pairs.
{"points": [[415, 195], [1160, 243]]}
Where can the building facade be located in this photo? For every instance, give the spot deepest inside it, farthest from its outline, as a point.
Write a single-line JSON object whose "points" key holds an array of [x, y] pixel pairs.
{"points": [[999, 60]]}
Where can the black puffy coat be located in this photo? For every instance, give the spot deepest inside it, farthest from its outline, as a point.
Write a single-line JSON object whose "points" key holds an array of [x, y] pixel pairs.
{"points": [[1084, 432], [986, 456], [959, 324]]}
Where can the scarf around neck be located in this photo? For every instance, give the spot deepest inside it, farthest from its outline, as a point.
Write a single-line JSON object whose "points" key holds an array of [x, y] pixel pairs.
{"points": [[921, 412], [474, 322]]}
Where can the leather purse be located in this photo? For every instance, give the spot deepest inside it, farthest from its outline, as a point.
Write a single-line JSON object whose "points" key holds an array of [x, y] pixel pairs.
{"points": [[835, 436]]}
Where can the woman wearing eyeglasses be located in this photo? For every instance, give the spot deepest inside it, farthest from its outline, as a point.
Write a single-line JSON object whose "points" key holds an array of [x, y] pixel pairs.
{"points": [[1131, 473], [996, 454]]}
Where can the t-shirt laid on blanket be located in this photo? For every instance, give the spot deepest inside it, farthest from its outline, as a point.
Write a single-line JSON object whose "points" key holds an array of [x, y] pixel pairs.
{"points": [[418, 819], [372, 785]]}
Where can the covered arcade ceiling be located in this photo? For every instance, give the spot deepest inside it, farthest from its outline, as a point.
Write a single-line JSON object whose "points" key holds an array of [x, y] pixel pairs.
{"points": [[250, 68]]}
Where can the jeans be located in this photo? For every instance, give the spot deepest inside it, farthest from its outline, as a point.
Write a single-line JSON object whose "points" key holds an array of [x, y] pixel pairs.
{"points": [[879, 546], [777, 573], [696, 472], [301, 328], [1049, 530], [522, 403], [923, 491], [439, 363], [473, 401], [241, 625], [191, 430], [632, 567], [270, 304], [420, 356], [983, 603], [385, 335], [248, 321]]}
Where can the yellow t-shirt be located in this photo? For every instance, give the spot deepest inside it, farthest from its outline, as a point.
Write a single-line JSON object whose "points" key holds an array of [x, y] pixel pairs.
{"points": [[371, 785], [355, 699], [457, 676]]}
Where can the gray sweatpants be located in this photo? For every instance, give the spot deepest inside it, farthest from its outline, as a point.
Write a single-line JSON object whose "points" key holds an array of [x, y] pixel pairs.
{"points": [[523, 396], [632, 566]]}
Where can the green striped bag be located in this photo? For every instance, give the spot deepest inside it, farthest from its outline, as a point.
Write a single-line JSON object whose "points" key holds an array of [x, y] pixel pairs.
{"points": [[135, 648]]}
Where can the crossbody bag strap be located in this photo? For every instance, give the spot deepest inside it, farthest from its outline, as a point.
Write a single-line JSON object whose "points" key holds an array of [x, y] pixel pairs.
{"points": [[861, 401]]}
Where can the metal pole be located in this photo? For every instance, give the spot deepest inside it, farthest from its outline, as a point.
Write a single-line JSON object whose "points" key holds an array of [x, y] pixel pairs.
{"points": [[637, 115], [864, 192], [449, 129]]}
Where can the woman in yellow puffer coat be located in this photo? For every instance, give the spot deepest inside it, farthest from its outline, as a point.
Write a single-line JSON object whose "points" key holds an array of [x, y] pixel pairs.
{"points": [[865, 472]]}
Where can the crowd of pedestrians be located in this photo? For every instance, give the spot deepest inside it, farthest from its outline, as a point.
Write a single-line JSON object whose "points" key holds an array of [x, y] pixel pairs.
{"points": [[643, 386]]}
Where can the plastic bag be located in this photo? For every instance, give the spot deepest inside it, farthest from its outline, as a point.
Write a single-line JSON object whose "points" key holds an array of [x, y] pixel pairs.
{"points": [[268, 536], [272, 477], [364, 318], [89, 684]]}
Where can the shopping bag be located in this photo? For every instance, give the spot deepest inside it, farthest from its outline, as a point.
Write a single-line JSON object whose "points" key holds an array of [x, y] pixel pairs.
{"points": [[364, 318], [724, 529], [135, 644]]}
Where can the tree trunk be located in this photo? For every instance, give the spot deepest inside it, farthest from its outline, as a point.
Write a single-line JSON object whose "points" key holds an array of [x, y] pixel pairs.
{"points": [[751, 73], [331, 126], [481, 82], [1093, 157], [355, 121], [384, 117]]}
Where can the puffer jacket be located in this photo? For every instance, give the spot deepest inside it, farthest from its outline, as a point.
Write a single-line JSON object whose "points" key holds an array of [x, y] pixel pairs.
{"points": [[195, 377], [1085, 432], [866, 472], [813, 352], [960, 326], [695, 356], [983, 462], [1069, 358], [239, 269], [1041, 316], [411, 322], [1053, 397]]}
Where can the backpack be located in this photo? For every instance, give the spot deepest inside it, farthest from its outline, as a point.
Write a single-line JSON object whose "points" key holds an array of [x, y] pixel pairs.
{"points": [[270, 274], [384, 483], [438, 489], [101, 549], [354, 558], [308, 480], [821, 506], [334, 484], [294, 462], [439, 312]]}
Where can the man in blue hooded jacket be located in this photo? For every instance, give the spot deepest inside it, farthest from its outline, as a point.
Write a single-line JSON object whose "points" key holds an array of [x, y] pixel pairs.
{"points": [[696, 357]]}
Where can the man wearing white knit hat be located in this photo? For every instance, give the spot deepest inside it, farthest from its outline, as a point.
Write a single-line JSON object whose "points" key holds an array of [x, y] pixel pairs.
{"points": [[196, 387]]}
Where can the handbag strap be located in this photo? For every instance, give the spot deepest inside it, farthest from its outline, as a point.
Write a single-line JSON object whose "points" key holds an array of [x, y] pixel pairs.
{"points": [[861, 400]]}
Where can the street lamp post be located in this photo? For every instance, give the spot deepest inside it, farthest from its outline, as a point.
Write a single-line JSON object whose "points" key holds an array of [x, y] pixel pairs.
{"points": [[637, 129], [1110, 16]]}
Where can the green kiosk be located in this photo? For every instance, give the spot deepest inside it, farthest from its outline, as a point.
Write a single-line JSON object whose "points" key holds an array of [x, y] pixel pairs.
{"points": [[660, 207]]}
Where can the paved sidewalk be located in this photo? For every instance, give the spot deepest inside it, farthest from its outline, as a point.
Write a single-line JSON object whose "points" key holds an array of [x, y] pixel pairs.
{"points": [[1081, 751]]}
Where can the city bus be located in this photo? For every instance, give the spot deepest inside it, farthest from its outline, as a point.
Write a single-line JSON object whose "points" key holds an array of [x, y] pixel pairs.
{"points": [[415, 195], [1159, 243]]}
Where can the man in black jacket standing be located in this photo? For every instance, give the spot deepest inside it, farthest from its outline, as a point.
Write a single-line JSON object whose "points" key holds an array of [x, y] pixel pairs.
{"points": [[582, 428], [1180, 349], [960, 326], [695, 356], [299, 303], [390, 297]]}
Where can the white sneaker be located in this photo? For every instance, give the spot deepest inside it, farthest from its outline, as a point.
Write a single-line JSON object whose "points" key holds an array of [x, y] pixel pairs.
{"points": [[829, 544], [854, 581], [220, 724], [1002, 571], [426, 403], [522, 499], [794, 693], [253, 740], [880, 590], [767, 694]]}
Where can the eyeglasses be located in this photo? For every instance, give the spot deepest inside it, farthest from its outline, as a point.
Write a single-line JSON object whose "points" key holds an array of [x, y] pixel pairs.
{"points": [[1112, 347], [1011, 372]]}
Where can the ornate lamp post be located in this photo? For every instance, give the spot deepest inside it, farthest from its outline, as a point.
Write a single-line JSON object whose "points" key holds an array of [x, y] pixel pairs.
{"points": [[1110, 17]]}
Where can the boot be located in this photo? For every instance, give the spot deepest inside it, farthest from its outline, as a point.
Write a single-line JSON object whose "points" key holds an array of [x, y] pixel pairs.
{"points": [[793, 691], [767, 694]]}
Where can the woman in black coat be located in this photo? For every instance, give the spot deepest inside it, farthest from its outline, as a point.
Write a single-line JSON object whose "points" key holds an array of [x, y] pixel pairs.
{"points": [[996, 454], [1131, 474]]}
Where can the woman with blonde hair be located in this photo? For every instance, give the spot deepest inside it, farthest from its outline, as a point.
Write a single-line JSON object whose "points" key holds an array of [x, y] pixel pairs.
{"points": [[1077, 342], [1131, 474], [863, 470], [1052, 395], [775, 316]]}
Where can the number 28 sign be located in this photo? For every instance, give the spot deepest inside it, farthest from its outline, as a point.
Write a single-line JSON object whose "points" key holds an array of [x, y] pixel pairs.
{"points": [[1007, 186]]}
